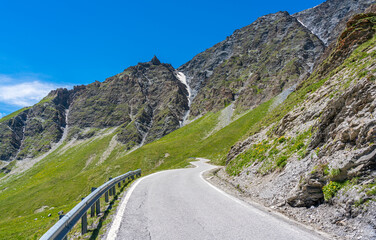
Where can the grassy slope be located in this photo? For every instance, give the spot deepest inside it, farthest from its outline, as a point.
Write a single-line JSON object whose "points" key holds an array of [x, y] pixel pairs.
{"points": [[63, 178]]}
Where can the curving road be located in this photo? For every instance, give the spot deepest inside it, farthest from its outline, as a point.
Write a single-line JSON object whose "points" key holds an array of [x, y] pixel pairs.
{"points": [[180, 204]]}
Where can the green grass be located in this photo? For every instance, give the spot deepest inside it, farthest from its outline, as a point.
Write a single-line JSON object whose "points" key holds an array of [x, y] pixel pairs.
{"points": [[271, 153]]}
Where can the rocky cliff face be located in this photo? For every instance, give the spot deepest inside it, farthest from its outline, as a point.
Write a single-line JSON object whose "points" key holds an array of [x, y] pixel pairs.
{"points": [[254, 64], [258, 61], [34, 130], [328, 19], [317, 163], [145, 102]]}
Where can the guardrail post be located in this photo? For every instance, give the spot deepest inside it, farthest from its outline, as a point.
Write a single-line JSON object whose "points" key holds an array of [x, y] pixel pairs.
{"points": [[123, 181], [114, 190], [110, 190], [106, 196], [92, 209], [84, 224], [132, 177], [119, 184], [60, 217], [98, 206]]}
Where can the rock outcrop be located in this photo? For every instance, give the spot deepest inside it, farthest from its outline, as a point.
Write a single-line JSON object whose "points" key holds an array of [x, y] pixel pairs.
{"points": [[328, 20], [34, 130], [321, 154]]}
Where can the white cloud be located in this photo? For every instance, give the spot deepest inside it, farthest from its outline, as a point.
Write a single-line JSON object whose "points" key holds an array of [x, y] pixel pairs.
{"points": [[23, 92], [2, 115]]}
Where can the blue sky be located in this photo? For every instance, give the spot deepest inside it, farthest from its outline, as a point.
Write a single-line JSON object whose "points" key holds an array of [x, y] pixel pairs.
{"points": [[50, 44]]}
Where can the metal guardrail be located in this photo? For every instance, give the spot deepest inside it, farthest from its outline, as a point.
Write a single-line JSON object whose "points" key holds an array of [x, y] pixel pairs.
{"points": [[67, 222]]}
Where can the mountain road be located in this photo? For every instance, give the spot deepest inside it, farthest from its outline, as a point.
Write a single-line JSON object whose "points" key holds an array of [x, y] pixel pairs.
{"points": [[180, 204]]}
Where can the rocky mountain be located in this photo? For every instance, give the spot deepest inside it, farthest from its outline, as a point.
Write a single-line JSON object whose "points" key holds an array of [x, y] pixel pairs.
{"points": [[328, 19], [148, 101], [314, 157], [261, 60], [143, 103], [254, 64]]}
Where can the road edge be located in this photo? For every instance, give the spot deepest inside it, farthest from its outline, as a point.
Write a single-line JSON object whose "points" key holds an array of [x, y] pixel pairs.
{"points": [[229, 190]]}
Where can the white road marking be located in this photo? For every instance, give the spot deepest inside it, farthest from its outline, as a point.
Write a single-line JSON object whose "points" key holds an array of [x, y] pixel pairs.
{"points": [[120, 213]]}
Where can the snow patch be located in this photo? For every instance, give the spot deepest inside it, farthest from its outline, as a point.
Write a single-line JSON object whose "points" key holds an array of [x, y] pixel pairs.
{"points": [[183, 79]]}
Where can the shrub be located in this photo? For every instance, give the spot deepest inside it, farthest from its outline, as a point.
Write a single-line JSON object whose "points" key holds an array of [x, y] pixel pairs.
{"points": [[281, 139], [331, 189], [281, 161]]}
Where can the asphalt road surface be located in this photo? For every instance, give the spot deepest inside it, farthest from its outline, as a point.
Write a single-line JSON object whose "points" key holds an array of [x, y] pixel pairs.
{"points": [[180, 204]]}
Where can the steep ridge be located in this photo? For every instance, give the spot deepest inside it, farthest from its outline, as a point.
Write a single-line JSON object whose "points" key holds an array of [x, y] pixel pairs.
{"points": [[34, 130], [253, 65], [146, 102], [313, 158], [248, 67], [328, 19]]}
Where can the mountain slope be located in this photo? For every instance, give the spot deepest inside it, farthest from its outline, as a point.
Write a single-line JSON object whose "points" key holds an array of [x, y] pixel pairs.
{"points": [[253, 65], [317, 150], [272, 54], [34, 130], [328, 20], [88, 162], [146, 102]]}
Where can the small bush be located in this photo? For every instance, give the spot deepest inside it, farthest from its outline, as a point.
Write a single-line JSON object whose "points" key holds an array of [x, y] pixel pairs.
{"points": [[281, 139], [281, 161], [331, 189]]}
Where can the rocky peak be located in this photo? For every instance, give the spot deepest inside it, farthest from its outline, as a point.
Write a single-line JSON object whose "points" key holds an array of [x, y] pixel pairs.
{"points": [[155, 61], [60, 96]]}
